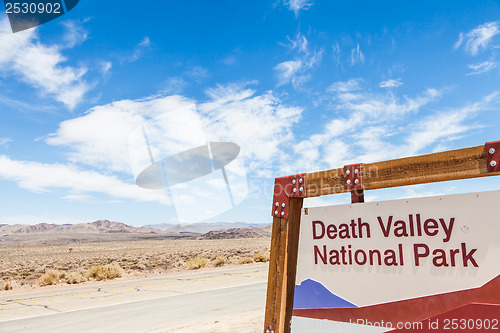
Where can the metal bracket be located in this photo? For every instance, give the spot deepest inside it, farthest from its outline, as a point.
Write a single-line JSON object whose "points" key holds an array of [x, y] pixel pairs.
{"points": [[493, 155], [353, 179], [357, 196], [284, 189], [270, 329]]}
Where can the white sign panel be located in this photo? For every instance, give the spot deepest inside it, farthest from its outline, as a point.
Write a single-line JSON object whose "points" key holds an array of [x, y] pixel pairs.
{"points": [[384, 266]]}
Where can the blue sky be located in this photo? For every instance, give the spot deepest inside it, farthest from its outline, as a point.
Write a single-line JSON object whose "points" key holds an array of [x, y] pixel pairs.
{"points": [[300, 86]]}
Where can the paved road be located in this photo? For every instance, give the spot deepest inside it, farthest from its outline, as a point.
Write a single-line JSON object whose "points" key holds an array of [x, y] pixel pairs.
{"points": [[137, 306]]}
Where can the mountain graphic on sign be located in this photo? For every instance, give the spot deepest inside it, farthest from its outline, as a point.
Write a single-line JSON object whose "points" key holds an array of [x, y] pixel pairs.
{"points": [[313, 295]]}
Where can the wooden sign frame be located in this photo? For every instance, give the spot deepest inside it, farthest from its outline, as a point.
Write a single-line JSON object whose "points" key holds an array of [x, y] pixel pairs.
{"points": [[473, 162]]}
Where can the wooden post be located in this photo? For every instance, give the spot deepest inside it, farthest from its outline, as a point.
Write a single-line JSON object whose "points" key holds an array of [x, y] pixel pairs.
{"points": [[282, 269]]}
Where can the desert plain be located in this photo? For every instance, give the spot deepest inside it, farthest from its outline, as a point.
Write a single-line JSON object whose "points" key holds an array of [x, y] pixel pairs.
{"points": [[22, 266]]}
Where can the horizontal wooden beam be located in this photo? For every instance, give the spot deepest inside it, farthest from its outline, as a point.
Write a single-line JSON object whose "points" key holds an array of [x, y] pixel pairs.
{"points": [[436, 167]]}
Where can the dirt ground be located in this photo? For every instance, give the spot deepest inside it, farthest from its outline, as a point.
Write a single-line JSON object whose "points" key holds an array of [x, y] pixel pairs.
{"points": [[22, 266]]}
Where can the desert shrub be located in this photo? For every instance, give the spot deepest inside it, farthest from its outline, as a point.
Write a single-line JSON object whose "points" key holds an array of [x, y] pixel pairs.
{"points": [[4, 285], [104, 272], [196, 263], [219, 261], [260, 257], [74, 278], [50, 277], [245, 260]]}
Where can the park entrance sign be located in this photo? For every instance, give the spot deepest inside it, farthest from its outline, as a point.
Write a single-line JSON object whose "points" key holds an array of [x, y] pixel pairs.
{"points": [[414, 265], [398, 264]]}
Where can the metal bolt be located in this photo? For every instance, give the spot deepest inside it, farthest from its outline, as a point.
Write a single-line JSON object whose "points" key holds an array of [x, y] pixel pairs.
{"points": [[294, 190], [356, 181], [276, 204], [493, 163], [283, 205], [300, 180], [275, 212], [293, 182], [356, 171], [348, 181], [348, 172], [282, 213], [492, 151], [301, 189]]}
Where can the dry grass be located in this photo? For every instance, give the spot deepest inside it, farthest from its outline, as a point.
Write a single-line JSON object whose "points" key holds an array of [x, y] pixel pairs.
{"points": [[104, 272], [245, 260], [4, 285], [219, 261], [74, 278], [196, 263], [25, 265], [50, 278], [260, 257]]}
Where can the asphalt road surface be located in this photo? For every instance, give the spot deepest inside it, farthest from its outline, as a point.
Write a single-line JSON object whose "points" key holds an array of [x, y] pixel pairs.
{"points": [[149, 305]]}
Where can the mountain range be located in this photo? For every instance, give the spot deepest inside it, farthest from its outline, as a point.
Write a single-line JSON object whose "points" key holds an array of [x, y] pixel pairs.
{"points": [[202, 228], [107, 227], [108, 231], [100, 226]]}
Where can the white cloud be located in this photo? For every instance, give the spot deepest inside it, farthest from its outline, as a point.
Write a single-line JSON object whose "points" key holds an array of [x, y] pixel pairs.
{"points": [[482, 67], [174, 85], [100, 137], [198, 73], [288, 70], [362, 131], [145, 42], [139, 50], [435, 129], [350, 96], [418, 191], [259, 124], [297, 5], [296, 71], [300, 43], [478, 38], [42, 177], [366, 136], [77, 197], [4, 141], [23, 55], [75, 33], [105, 67], [392, 83], [230, 60], [336, 53], [459, 41], [346, 86], [448, 125], [357, 56]]}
